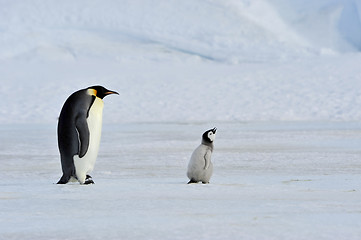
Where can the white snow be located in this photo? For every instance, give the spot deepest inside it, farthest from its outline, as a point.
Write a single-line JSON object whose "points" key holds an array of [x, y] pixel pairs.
{"points": [[281, 80], [272, 180], [188, 61]]}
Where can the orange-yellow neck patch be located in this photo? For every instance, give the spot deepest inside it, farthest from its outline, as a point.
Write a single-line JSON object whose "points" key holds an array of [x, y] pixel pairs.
{"points": [[92, 92]]}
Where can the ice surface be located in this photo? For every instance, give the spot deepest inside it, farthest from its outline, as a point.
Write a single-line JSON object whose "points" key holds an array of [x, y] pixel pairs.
{"points": [[271, 180], [279, 79]]}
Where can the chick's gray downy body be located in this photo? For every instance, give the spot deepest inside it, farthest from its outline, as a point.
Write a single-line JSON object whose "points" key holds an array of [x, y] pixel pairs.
{"points": [[200, 167]]}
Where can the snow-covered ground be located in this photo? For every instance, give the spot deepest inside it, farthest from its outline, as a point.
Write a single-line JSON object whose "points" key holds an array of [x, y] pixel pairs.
{"points": [[272, 181], [281, 80]]}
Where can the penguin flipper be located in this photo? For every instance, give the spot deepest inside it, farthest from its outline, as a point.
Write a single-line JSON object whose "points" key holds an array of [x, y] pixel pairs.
{"points": [[83, 133], [207, 158]]}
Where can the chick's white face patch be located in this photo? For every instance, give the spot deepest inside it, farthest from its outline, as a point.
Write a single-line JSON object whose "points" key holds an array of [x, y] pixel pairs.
{"points": [[211, 136]]}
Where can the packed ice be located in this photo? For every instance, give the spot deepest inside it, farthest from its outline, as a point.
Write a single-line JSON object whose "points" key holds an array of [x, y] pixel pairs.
{"points": [[281, 81]]}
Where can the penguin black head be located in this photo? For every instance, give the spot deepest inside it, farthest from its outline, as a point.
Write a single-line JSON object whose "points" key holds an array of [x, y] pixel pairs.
{"points": [[100, 91], [209, 135]]}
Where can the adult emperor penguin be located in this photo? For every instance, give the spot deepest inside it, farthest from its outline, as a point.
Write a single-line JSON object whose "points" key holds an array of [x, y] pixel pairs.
{"points": [[79, 130], [200, 167]]}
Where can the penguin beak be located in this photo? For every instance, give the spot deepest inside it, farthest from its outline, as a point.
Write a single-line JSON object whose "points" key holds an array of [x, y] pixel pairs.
{"points": [[214, 130], [110, 92]]}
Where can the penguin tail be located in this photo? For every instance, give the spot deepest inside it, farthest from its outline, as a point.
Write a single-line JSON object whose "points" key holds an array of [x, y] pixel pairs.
{"points": [[63, 180]]}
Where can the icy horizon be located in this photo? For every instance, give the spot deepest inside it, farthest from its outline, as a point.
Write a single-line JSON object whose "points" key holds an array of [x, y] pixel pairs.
{"points": [[183, 61]]}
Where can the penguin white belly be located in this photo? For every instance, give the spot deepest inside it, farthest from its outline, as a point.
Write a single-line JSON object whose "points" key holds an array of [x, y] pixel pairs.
{"points": [[85, 165], [196, 166]]}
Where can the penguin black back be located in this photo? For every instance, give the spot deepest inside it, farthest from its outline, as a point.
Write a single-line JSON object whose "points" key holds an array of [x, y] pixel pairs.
{"points": [[72, 117], [75, 108]]}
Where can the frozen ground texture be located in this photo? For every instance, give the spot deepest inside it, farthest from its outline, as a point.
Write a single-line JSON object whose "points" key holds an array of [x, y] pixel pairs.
{"points": [[271, 181], [281, 80]]}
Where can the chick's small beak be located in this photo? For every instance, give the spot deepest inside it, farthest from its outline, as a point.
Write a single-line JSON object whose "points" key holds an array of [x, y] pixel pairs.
{"points": [[214, 130]]}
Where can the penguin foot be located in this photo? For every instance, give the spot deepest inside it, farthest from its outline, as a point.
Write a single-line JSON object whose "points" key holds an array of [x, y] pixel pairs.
{"points": [[205, 182], [192, 181], [88, 180]]}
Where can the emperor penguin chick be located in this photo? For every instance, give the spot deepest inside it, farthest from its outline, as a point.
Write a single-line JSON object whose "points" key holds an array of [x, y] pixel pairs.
{"points": [[200, 167]]}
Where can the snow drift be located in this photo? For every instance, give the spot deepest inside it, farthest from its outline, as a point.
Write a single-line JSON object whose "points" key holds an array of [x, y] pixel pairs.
{"points": [[183, 61]]}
